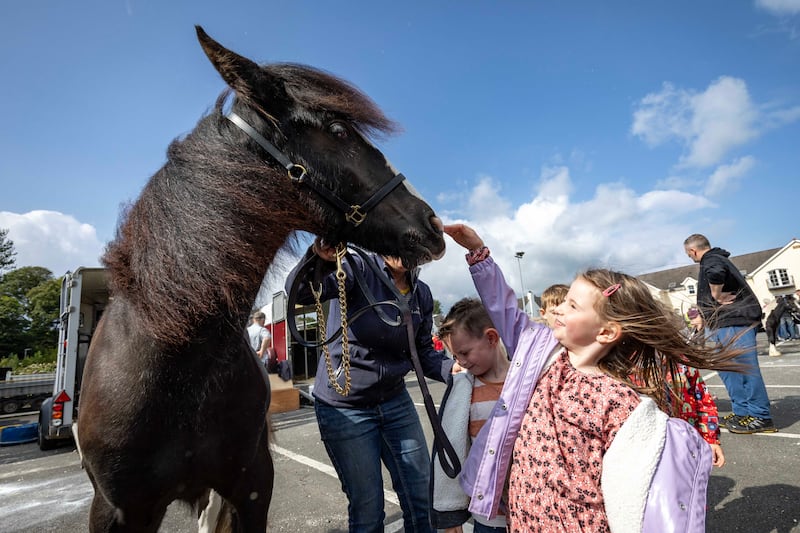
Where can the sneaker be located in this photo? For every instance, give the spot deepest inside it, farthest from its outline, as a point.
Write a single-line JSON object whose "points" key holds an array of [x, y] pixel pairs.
{"points": [[752, 424], [727, 419], [773, 351]]}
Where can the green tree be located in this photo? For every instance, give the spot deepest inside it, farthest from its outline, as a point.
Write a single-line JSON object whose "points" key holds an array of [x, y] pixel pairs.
{"points": [[43, 308], [29, 299], [17, 283], [7, 252], [13, 327]]}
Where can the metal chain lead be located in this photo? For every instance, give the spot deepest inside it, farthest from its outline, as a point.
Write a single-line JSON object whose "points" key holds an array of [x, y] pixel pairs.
{"points": [[341, 277]]}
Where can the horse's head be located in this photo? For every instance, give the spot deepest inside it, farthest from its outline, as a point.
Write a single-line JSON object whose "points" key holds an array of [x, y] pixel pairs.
{"points": [[321, 124]]}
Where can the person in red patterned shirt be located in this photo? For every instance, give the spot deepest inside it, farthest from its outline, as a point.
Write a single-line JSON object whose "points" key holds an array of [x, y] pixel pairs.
{"points": [[697, 407], [690, 399]]}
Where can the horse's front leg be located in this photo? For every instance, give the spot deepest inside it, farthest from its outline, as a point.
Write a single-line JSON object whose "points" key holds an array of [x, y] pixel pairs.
{"points": [[253, 493], [254, 502], [106, 518], [101, 514]]}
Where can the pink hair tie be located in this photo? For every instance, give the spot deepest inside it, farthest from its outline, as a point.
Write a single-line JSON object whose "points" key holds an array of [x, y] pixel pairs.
{"points": [[612, 289]]}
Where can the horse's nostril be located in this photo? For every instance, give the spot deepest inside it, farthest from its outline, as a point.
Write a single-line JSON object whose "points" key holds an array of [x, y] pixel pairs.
{"points": [[437, 224]]}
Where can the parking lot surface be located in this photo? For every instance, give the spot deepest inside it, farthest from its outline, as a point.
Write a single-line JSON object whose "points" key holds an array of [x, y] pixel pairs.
{"points": [[757, 491]]}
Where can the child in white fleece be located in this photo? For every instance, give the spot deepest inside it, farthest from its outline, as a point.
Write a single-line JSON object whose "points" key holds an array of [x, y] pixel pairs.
{"points": [[470, 335]]}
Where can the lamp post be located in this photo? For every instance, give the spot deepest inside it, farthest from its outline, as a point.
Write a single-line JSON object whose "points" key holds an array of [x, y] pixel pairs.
{"points": [[519, 255]]}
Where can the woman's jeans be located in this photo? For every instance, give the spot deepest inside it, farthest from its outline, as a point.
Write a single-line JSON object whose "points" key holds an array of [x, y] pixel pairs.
{"points": [[746, 389], [357, 440]]}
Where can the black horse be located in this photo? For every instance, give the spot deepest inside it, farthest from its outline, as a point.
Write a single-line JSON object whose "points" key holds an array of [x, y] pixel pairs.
{"points": [[174, 402]]}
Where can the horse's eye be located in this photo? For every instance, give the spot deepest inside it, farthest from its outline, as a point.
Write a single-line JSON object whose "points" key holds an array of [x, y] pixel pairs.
{"points": [[338, 129]]}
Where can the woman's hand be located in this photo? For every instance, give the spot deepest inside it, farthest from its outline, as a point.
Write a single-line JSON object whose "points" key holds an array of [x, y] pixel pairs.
{"points": [[719, 457], [464, 235], [324, 250], [726, 298]]}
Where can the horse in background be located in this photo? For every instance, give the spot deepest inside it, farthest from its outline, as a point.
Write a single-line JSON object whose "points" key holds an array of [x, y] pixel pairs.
{"points": [[174, 402]]}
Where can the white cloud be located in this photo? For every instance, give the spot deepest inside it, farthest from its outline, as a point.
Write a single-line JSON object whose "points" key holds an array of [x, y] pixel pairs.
{"points": [[679, 182], [555, 183], [52, 240], [670, 201], [662, 116], [485, 201], [780, 7], [779, 117], [616, 228], [724, 118], [710, 123], [727, 177]]}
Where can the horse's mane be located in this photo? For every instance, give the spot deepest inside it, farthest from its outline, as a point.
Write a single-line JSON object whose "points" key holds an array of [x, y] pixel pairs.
{"points": [[317, 90], [190, 254]]}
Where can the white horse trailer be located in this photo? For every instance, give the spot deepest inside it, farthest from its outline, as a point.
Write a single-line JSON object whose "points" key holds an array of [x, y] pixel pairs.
{"points": [[84, 296]]}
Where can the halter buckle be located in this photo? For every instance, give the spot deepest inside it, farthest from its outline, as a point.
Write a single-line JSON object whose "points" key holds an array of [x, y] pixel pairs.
{"points": [[355, 216], [296, 172]]}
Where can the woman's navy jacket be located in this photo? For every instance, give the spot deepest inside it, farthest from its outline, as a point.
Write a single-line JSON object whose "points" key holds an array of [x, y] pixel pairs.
{"points": [[379, 355]]}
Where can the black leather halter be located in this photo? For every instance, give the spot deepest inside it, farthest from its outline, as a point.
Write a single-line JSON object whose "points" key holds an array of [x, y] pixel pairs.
{"points": [[354, 214]]}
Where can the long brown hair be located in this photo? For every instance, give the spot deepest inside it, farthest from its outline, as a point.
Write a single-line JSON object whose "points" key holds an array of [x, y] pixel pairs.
{"points": [[652, 344]]}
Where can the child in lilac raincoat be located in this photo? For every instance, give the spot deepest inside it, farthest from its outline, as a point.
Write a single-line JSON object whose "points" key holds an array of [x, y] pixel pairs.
{"points": [[587, 451]]}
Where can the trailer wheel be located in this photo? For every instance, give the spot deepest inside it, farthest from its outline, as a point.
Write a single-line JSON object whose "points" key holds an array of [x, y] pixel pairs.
{"points": [[44, 443], [10, 406]]}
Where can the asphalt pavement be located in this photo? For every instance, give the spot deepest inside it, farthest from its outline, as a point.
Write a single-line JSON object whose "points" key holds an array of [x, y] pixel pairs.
{"points": [[757, 491]]}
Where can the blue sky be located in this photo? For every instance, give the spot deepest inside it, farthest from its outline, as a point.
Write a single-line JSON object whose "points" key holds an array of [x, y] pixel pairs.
{"points": [[583, 133]]}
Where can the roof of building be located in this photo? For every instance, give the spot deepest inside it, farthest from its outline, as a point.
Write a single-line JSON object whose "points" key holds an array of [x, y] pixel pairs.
{"points": [[745, 263]]}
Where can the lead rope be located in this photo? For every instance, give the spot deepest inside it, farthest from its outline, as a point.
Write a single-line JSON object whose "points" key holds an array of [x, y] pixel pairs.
{"points": [[448, 458], [341, 277]]}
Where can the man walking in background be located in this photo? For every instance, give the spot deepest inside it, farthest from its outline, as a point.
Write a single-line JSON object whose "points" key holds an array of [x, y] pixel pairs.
{"points": [[730, 308], [259, 335]]}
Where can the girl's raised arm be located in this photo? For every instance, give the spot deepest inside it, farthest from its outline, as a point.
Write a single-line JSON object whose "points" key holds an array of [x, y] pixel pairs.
{"points": [[498, 298]]}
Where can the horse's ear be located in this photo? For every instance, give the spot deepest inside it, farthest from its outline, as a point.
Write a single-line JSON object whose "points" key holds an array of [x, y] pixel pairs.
{"points": [[241, 74]]}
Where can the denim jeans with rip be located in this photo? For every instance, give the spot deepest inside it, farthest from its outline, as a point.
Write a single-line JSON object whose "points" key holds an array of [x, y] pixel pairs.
{"points": [[358, 440]]}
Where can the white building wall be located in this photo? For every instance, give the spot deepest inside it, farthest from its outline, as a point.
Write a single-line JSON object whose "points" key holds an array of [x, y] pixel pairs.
{"points": [[787, 258], [680, 300]]}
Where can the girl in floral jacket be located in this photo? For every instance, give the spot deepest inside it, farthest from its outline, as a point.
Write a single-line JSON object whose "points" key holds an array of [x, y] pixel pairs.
{"points": [[587, 451]]}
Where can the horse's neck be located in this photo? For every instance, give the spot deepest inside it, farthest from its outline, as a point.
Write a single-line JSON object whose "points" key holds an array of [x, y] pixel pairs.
{"points": [[195, 249]]}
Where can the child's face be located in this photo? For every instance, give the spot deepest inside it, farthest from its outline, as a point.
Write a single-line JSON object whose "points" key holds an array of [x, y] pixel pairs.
{"points": [[577, 324], [549, 315], [477, 355]]}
